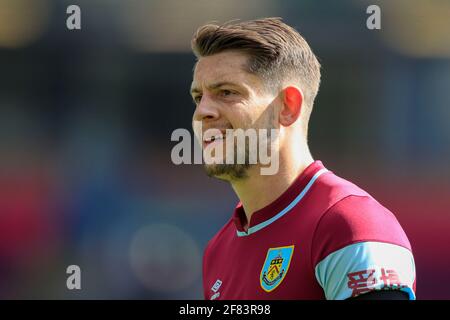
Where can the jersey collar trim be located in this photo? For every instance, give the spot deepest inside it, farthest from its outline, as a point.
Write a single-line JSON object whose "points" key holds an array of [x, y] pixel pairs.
{"points": [[281, 213]]}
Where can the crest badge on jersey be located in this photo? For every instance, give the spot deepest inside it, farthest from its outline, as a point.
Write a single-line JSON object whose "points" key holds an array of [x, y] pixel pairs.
{"points": [[275, 267]]}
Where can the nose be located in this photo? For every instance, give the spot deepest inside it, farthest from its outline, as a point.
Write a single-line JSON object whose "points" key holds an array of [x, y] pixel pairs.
{"points": [[206, 110]]}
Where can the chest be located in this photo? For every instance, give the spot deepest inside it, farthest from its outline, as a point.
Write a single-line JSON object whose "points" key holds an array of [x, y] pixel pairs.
{"points": [[258, 268]]}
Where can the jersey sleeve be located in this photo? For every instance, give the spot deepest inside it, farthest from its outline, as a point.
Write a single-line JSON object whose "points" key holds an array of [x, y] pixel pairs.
{"points": [[359, 246]]}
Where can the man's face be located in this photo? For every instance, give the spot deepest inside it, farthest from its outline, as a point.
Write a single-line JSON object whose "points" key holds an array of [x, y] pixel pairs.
{"points": [[227, 96]]}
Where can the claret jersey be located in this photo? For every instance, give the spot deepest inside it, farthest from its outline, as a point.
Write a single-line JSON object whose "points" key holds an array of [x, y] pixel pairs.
{"points": [[323, 238]]}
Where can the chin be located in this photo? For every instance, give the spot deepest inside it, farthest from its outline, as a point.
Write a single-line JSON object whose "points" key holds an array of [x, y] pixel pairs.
{"points": [[227, 172]]}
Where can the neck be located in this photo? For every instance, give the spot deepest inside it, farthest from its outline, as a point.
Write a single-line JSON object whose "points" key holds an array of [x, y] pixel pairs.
{"points": [[257, 191]]}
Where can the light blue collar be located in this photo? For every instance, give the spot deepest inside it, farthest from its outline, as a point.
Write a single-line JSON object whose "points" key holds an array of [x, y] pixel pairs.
{"points": [[285, 210]]}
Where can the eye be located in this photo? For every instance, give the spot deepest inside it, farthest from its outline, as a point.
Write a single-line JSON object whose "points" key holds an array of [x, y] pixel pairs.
{"points": [[226, 93], [197, 98]]}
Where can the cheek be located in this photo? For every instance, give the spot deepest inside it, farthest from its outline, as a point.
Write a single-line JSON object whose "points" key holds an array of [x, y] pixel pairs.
{"points": [[252, 113], [239, 118], [263, 116]]}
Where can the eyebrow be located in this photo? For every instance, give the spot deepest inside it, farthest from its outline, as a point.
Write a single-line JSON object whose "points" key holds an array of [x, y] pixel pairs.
{"points": [[214, 86]]}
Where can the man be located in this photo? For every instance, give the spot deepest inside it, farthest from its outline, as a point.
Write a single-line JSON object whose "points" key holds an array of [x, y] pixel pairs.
{"points": [[303, 232]]}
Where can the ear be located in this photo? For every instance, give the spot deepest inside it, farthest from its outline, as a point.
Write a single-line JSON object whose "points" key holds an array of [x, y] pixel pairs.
{"points": [[292, 105]]}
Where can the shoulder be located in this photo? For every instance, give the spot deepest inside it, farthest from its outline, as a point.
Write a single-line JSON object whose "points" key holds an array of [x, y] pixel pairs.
{"points": [[359, 246], [356, 218], [346, 213]]}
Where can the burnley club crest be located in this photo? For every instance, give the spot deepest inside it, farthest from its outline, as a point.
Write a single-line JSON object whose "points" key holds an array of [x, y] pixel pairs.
{"points": [[275, 267]]}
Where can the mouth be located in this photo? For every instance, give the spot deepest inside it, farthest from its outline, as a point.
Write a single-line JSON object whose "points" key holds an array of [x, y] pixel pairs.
{"points": [[213, 138]]}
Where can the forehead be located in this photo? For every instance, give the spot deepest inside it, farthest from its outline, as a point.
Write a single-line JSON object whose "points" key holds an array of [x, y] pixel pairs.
{"points": [[225, 66]]}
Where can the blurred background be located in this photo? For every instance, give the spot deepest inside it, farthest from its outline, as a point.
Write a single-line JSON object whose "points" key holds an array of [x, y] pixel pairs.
{"points": [[86, 118]]}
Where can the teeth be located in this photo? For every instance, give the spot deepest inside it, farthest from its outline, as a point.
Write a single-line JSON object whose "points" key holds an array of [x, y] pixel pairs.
{"points": [[211, 139]]}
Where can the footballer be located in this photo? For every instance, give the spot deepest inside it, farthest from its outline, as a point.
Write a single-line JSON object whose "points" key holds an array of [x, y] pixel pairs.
{"points": [[303, 232]]}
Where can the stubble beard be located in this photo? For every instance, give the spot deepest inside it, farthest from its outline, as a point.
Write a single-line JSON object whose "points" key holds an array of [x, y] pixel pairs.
{"points": [[240, 171], [231, 172]]}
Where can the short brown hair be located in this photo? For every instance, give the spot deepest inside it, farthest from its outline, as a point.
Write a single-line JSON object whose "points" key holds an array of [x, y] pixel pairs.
{"points": [[277, 51]]}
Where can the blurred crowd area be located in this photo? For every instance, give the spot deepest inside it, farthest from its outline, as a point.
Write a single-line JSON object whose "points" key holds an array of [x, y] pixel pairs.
{"points": [[86, 118]]}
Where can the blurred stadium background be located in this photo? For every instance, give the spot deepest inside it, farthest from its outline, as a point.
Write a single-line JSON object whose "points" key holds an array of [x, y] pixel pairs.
{"points": [[86, 118]]}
